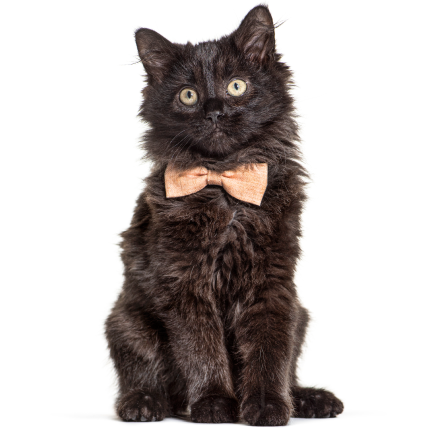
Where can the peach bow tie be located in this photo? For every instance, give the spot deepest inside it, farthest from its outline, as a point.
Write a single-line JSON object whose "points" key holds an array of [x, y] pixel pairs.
{"points": [[247, 183]]}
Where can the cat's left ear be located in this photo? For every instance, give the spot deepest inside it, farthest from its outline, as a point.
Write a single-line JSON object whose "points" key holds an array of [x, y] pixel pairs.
{"points": [[155, 51], [256, 35]]}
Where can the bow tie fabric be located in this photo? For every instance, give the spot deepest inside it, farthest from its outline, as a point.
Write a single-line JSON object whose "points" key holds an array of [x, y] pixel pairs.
{"points": [[247, 183]]}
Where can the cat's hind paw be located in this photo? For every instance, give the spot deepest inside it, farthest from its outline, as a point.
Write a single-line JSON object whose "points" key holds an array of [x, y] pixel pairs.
{"points": [[315, 403], [140, 405], [215, 409]]}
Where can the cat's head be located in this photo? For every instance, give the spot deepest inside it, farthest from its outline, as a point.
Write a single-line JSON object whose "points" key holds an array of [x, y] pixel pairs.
{"points": [[216, 98]]}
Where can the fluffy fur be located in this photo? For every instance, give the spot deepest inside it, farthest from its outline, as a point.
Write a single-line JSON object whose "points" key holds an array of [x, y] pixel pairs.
{"points": [[208, 322]]}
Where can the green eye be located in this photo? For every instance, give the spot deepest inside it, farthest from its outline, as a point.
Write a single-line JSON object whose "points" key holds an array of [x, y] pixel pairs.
{"points": [[188, 96], [237, 87]]}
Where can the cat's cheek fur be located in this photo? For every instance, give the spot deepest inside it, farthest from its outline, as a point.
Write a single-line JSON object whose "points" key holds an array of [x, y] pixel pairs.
{"points": [[208, 323]]}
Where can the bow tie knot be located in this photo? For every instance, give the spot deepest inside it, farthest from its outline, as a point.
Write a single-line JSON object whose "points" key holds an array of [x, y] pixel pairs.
{"points": [[214, 178], [247, 182]]}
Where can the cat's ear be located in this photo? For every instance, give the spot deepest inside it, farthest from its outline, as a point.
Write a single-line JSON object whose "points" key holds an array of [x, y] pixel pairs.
{"points": [[256, 35], [155, 51]]}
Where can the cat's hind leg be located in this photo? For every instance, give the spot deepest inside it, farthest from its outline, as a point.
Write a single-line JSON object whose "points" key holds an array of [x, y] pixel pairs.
{"points": [[136, 349], [310, 402]]}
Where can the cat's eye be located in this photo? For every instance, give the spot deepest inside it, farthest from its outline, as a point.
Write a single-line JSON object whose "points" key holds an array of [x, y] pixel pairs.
{"points": [[188, 96], [237, 87]]}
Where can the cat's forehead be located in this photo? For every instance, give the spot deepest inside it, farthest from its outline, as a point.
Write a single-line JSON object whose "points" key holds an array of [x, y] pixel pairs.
{"points": [[211, 60], [207, 51]]}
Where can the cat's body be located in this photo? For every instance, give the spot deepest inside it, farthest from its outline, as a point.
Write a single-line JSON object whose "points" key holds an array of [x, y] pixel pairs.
{"points": [[209, 316]]}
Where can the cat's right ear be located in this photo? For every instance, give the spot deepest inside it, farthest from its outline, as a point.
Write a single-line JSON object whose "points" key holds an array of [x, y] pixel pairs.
{"points": [[155, 52]]}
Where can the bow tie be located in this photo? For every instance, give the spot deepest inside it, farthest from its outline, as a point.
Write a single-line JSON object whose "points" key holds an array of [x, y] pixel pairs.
{"points": [[247, 183]]}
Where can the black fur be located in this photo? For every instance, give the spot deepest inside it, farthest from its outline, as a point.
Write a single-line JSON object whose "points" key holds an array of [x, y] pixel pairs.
{"points": [[208, 318]]}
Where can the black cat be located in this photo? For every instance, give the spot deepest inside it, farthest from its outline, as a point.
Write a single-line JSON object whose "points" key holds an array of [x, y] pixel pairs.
{"points": [[208, 321]]}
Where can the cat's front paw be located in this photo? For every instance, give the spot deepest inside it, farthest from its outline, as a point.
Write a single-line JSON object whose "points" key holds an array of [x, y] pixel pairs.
{"points": [[267, 411], [215, 409], [140, 405], [315, 403]]}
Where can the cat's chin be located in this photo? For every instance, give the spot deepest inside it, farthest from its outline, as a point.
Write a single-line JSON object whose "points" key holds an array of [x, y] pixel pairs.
{"points": [[218, 148], [216, 145]]}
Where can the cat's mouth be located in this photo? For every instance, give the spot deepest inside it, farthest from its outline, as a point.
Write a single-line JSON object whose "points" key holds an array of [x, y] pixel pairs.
{"points": [[217, 136]]}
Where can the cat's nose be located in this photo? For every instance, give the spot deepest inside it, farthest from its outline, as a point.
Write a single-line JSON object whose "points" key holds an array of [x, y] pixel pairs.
{"points": [[214, 116], [213, 110]]}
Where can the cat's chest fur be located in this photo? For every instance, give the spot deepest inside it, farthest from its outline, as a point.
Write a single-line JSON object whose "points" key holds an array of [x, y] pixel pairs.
{"points": [[221, 243]]}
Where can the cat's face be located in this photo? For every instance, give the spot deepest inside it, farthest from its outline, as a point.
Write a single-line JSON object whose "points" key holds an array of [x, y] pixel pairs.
{"points": [[213, 98]]}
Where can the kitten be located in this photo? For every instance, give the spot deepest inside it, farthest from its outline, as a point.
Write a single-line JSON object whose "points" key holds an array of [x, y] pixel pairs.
{"points": [[208, 321]]}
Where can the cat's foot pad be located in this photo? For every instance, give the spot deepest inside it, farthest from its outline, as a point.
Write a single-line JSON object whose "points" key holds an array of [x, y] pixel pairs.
{"points": [[140, 405], [315, 403], [215, 409], [270, 411]]}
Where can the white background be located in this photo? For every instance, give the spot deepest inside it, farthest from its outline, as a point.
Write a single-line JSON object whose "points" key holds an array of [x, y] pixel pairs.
{"points": [[71, 172]]}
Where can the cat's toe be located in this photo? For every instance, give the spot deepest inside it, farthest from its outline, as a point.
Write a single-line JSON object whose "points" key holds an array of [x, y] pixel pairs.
{"points": [[315, 403], [215, 409], [139, 405], [272, 411]]}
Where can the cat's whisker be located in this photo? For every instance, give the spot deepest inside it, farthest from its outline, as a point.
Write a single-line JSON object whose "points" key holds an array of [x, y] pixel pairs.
{"points": [[176, 144], [195, 143], [176, 151], [179, 149], [175, 138]]}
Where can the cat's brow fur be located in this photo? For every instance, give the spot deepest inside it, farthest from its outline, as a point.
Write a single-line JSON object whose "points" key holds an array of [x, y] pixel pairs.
{"points": [[208, 317]]}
